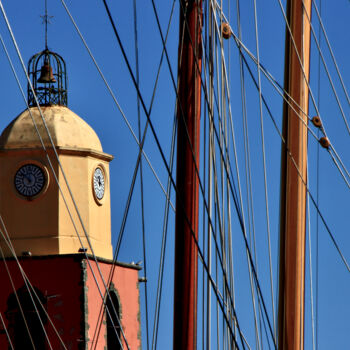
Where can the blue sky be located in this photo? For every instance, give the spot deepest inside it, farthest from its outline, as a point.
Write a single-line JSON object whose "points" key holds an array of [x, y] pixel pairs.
{"points": [[89, 98]]}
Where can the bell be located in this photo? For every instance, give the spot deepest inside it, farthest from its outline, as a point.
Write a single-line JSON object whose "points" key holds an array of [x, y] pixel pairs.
{"points": [[46, 75]]}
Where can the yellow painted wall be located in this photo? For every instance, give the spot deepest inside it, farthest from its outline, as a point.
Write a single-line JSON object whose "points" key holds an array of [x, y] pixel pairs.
{"points": [[42, 225]]}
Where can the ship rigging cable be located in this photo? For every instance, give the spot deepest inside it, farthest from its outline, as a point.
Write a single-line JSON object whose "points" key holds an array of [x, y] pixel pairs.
{"points": [[228, 200]]}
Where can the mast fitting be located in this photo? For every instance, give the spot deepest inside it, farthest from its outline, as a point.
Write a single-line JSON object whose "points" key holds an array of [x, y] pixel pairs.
{"points": [[226, 30], [316, 120]]}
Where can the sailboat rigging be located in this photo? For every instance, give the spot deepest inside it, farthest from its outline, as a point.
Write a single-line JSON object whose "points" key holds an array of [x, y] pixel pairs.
{"points": [[205, 230]]}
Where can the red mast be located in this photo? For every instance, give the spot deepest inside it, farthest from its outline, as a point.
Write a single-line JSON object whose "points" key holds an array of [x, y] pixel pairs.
{"points": [[188, 137]]}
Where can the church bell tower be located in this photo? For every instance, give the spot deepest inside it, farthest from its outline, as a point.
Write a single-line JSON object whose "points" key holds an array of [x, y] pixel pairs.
{"points": [[60, 287]]}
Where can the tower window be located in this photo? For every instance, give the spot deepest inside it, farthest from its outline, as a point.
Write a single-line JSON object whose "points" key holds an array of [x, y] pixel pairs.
{"points": [[26, 326], [114, 338]]}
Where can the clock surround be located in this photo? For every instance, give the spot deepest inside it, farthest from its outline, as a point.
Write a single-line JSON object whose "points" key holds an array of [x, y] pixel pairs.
{"points": [[30, 179], [99, 183]]}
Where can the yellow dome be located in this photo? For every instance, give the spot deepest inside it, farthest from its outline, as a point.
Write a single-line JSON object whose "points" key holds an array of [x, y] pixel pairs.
{"points": [[67, 129]]}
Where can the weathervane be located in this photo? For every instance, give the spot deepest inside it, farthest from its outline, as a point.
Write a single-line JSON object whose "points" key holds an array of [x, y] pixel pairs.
{"points": [[46, 20]]}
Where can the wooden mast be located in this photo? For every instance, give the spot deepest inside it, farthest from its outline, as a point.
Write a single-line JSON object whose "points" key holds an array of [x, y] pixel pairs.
{"points": [[294, 177], [188, 137]]}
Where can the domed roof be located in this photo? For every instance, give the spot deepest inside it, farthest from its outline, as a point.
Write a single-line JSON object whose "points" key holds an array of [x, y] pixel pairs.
{"points": [[67, 129]]}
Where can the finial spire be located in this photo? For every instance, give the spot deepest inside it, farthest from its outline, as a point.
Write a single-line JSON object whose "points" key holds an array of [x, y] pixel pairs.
{"points": [[46, 20]]}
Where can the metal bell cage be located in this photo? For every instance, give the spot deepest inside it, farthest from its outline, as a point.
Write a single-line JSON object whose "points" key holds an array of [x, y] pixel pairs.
{"points": [[47, 73]]}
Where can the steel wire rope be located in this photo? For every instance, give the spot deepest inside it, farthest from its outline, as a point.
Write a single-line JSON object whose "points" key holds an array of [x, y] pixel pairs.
{"points": [[236, 203], [266, 73], [291, 156], [140, 150], [217, 247], [137, 164], [310, 269], [163, 246], [219, 212], [219, 219], [211, 116], [230, 241], [55, 152], [312, 199], [172, 76], [143, 106], [217, 108], [223, 139], [206, 98], [328, 73], [322, 218], [113, 96], [284, 94], [330, 49], [241, 211], [302, 67], [342, 165], [319, 213], [6, 332], [141, 172], [217, 201], [250, 212], [209, 59], [206, 312], [318, 180], [251, 226], [6, 237], [209, 101], [224, 162], [224, 197], [252, 288], [265, 171], [205, 320], [274, 82], [339, 167], [216, 279], [314, 202], [124, 220]]}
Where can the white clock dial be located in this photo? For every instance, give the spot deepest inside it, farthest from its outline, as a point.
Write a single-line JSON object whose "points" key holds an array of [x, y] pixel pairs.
{"points": [[29, 180], [99, 183]]}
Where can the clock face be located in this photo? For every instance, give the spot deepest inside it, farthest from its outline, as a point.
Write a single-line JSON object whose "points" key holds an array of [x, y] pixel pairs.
{"points": [[29, 180], [99, 183]]}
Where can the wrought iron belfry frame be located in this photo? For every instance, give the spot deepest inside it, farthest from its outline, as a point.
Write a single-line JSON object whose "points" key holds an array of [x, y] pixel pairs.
{"points": [[50, 93]]}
